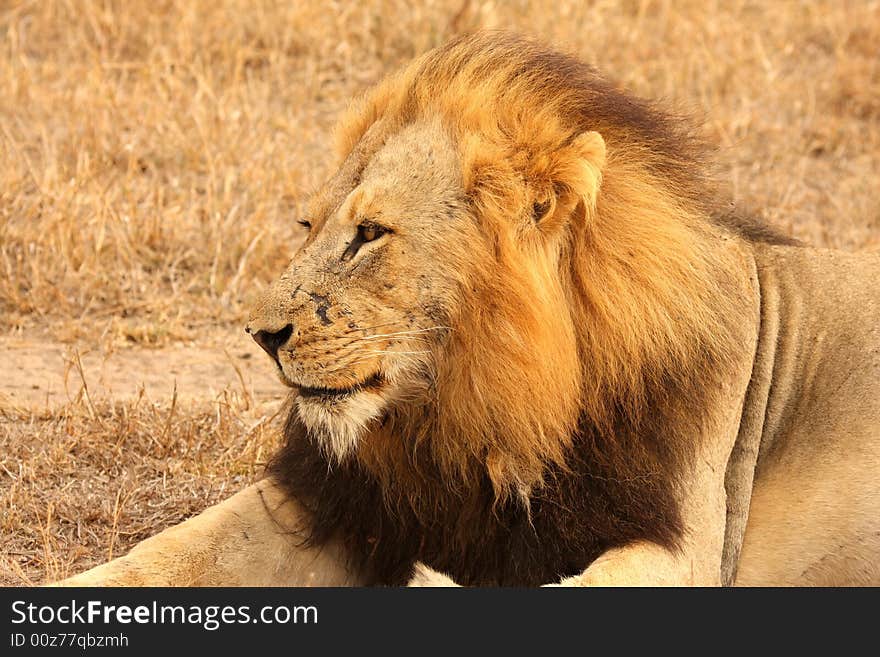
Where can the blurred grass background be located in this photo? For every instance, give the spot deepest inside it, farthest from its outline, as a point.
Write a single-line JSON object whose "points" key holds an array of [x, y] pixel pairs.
{"points": [[154, 156]]}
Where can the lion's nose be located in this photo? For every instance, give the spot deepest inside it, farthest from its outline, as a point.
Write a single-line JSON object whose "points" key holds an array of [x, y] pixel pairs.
{"points": [[271, 341]]}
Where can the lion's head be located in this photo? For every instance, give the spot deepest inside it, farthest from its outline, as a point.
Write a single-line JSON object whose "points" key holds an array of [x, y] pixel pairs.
{"points": [[509, 245]]}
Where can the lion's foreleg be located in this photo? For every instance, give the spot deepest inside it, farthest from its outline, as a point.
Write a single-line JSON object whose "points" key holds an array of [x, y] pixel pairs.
{"points": [[643, 564], [250, 539]]}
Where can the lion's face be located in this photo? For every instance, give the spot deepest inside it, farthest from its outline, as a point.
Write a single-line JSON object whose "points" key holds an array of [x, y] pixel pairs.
{"points": [[356, 320]]}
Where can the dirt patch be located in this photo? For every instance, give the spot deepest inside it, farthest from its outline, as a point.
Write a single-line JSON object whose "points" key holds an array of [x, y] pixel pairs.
{"points": [[37, 375]]}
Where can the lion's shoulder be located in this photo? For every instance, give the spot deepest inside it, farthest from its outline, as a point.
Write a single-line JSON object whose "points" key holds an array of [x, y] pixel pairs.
{"points": [[820, 318]]}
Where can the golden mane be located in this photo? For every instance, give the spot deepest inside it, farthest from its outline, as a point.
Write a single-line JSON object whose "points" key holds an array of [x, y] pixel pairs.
{"points": [[647, 292]]}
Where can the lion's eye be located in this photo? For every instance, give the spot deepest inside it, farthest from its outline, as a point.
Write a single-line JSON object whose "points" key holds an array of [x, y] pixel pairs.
{"points": [[366, 232], [305, 223], [370, 232]]}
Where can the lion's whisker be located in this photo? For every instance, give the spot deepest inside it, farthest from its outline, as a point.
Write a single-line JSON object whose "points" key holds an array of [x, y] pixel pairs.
{"points": [[389, 351], [400, 333], [371, 328]]}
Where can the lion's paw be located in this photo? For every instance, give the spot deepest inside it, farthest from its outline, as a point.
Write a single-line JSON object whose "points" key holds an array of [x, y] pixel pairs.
{"points": [[424, 576]]}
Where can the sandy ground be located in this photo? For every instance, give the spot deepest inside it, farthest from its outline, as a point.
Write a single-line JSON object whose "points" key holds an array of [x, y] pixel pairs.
{"points": [[40, 374]]}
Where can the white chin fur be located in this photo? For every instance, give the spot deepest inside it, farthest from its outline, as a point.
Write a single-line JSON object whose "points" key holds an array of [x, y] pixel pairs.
{"points": [[339, 423]]}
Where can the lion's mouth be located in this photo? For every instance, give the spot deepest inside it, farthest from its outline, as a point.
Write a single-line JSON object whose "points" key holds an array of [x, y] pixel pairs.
{"points": [[372, 383]]}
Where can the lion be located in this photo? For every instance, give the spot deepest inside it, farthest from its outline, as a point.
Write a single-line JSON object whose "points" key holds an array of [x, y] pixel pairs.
{"points": [[530, 342]]}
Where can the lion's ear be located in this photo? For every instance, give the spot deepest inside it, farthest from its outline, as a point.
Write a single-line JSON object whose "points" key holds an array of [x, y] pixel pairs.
{"points": [[573, 175], [584, 162]]}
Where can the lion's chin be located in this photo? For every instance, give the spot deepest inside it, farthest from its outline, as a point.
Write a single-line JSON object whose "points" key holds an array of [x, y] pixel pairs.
{"points": [[338, 422]]}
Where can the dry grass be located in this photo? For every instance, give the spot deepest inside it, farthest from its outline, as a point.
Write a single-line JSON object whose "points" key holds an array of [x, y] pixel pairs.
{"points": [[85, 481], [155, 155]]}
